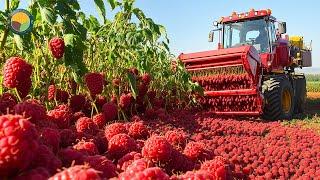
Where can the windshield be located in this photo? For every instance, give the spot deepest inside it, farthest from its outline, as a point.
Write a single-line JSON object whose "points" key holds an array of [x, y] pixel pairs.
{"points": [[247, 33]]}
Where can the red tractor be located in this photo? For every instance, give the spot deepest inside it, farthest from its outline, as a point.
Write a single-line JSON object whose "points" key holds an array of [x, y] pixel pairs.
{"points": [[253, 71]]}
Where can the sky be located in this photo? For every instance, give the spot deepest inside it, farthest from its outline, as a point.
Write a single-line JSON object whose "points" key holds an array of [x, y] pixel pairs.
{"points": [[188, 22]]}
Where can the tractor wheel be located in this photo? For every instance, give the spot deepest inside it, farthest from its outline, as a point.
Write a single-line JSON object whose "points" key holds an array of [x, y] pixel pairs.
{"points": [[300, 87], [279, 98]]}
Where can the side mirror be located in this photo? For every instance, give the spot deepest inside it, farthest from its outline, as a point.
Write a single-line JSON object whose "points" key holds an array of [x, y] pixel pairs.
{"points": [[282, 26], [211, 36]]}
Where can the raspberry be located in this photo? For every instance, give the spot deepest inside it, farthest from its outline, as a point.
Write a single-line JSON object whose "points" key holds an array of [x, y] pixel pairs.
{"points": [[51, 92], [46, 159], [86, 125], [81, 172], [57, 46], [99, 120], [149, 173], [114, 99], [61, 115], [134, 71], [196, 175], [179, 162], [51, 138], [128, 159], [195, 151], [16, 72], [176, 138], [70, 156], [100, 101], [18, 139], [217, 167], [121, 144], [157, 148], [142, 89], [68, 137], [114, 129], [151, 95], [31, 109], [86, 148], [138, 130], [138, 166], [24, 87], [125, 101], [94, 82], [110, 111], [103, 165], [34, 174], [101, 142], [62, 96], [77, 102], [77, 116], [7, 102], [146, 78]]}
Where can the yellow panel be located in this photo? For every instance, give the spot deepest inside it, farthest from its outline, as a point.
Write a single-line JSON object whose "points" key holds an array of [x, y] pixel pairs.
{"points": [[297, 41]]}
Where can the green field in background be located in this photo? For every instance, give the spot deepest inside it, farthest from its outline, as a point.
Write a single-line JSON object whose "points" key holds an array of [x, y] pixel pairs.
{"points": [[313, 86]]}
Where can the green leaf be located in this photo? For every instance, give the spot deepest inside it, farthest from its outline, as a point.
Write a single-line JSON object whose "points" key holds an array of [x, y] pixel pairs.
{"points": [[48, 15], [14, 4], [19, 41], [101, 9], [113, 4], [133, 85]]}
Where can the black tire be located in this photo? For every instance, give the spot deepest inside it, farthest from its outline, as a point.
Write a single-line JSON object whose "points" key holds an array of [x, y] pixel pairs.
{"points": [[273, 90], [300, 97]]}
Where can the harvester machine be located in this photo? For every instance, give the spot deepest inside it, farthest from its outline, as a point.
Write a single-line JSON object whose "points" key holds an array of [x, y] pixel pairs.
{"points": [[253, 71]]}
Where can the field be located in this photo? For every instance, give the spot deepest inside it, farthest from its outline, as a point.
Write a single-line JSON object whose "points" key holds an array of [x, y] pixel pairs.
{"points": [[93, 98]]}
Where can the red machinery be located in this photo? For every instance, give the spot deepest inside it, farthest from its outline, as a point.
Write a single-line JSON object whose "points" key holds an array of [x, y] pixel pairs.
{"points": [[266, 83]]}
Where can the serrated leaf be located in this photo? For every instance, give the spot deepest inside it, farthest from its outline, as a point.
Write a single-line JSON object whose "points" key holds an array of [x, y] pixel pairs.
{"points": [[48, 15], [133, 84]]}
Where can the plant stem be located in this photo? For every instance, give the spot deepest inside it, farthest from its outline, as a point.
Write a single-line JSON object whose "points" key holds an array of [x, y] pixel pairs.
{"points": [[6, 30]]}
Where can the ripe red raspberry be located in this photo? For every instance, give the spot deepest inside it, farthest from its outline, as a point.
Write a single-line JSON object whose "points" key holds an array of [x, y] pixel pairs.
{"points": [[100, 101], [76, 116], [61, 115], [101, 142], [51, 138], [39, 173], [94, 82], [77, 102], [176, 138], [57, 46], [125, 101], [157, 148], [62, 96], [149, 173], [146, 78], [7, 102], [68, 137], [19, 144], [99, 120], [121, 144], [46, 159], [80, 172], [114, 99], [114, 129], [216, 167], [142, 89], [15, 72], [195, 151], [200, 174], [103, 165], [127, 160], [51, 92], [24, 87], [31, 109], [86, 148], [71, 156], [110, 111], [86, 125], [179, 162], [138, 166], [138, 130]]}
